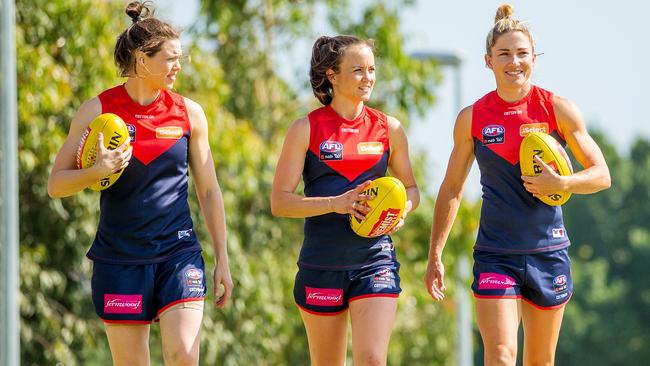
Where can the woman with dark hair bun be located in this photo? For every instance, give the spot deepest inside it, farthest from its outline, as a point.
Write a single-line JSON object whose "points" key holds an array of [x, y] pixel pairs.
{"points": [[522, 271], [338, 149], [147, 262]]}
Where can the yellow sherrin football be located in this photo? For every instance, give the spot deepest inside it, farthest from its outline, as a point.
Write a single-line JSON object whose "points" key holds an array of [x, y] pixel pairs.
{"points": [[115, 133], [386, 208], [552, 153]]}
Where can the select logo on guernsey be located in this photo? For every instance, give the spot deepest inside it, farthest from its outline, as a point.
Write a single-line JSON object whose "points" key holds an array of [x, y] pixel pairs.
{"points": [[169, 132], [370, 148], [122, 304], [495, 281], [527, 128], [324, 296]]}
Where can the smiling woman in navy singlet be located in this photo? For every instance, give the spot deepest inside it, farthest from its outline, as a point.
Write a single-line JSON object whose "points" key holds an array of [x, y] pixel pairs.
{"points": [[147, 262], [338, 149], [521, 250]]}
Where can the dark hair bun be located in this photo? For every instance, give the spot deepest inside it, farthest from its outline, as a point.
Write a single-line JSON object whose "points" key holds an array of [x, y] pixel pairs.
{"points": [[135, 9]]}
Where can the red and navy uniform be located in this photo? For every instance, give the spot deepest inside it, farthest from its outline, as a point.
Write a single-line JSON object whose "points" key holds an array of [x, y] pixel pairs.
{"points": [[513, 222], [146, 254], [334, 260], [145, 216]]}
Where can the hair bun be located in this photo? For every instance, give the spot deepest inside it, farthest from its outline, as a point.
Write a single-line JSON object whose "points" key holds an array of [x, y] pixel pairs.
{"points": [[135, 10], [505, 11]]}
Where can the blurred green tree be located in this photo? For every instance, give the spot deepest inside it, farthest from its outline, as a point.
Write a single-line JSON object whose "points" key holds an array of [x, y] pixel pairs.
{"points": [[607, 319], [64, 52]]}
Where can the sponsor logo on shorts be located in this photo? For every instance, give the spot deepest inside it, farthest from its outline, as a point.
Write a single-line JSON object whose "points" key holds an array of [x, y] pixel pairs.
{"points": [[122, 304], [384, 278], [169, 132], [561, 296], [494, 134], [184, 234], [132, 130], [560, 283], [495, 281], [331, 150], [527, 128], [558, 232], [370, 148], [193, 278], [324, 296]]}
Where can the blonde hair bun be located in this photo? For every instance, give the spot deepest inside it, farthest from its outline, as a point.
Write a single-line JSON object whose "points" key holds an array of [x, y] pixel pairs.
{"points": [[505, 11]]}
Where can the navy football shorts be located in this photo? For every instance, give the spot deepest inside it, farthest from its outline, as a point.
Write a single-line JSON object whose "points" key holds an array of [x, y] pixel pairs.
{"points": [[542, 279], [138, 294], [330, 292]]}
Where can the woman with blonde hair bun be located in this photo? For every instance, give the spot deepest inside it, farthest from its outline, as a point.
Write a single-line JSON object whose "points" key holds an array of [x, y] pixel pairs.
{"points": [[521, 250]]}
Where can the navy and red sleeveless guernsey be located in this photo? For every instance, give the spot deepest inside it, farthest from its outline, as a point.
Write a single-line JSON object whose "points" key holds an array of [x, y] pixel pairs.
{"points": [[343, 154], [512, 220], [145, 217]]}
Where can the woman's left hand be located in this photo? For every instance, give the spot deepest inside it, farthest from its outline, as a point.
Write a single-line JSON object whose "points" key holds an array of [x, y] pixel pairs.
{"points": [[222, 284], [546, 183]]}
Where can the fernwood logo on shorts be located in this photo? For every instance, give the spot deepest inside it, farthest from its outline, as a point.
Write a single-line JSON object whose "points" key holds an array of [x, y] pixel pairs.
{"points": [[324, 296], [122, 304]]}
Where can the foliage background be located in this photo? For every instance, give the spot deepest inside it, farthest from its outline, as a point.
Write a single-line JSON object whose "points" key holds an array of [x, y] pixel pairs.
{"points": [[65, 57]]}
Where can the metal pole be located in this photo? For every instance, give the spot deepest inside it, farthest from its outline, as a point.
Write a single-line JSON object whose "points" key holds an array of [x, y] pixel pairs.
{"points": [[10, 312], [463, 269], [465, 352]]}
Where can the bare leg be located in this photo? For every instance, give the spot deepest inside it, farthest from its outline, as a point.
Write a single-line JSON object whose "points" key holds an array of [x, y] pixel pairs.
{"points": [[180, 328], [498, 321], [327, 337], [541, 332], [129, 344], [372, 324]]}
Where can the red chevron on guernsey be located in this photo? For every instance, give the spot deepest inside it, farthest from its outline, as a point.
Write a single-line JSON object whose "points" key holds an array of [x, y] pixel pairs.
{"points": [[349, 154]]}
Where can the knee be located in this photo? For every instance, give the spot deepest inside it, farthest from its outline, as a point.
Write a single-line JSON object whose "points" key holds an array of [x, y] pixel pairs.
{"points": [[501, 355], [372, 359], [181, 358]]}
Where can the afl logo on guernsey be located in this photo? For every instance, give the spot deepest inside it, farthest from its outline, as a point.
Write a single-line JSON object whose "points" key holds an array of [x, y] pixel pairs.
{"points": [[493, 134], [331, 150], [131, 129]]}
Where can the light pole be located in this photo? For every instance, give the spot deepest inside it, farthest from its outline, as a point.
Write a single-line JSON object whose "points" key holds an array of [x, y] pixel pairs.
{"points": [[464, 317], [9, 311]]}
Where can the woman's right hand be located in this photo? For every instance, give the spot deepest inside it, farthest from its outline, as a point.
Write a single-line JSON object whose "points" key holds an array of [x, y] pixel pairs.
{"points": [[349, 202], [111, 161], [435, 279]]}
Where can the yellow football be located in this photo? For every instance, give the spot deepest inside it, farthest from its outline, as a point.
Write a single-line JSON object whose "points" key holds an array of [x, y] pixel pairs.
{"points": [[115, 133], [552, 153], [386, 208]]}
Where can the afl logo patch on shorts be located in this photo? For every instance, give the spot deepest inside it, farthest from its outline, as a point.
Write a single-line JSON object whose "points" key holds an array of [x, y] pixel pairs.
{"points": [[194, 279], [559, 283], [331, 150], [494, 134]]}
